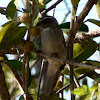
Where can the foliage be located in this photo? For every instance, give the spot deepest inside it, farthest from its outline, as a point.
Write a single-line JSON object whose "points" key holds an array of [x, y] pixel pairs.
{"points": [[15, 40]]}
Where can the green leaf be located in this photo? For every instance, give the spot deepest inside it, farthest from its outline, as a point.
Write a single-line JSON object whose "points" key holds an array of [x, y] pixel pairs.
{"points": [[21, 97], [90, 62], [66, 27], [17, 65], [80, 91], [37, 16], [98, 8], [11, 10], [96, 22], [94, 87], [11, 35], [84, 50], [41, 3], [33, 56], [30, 78], [75, 2], [74, 5], [55, 97], [82, 70], [66, 71]]}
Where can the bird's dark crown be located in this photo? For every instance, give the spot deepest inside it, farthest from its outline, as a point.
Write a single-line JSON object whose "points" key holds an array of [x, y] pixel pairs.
{"points": [[49, 20]]}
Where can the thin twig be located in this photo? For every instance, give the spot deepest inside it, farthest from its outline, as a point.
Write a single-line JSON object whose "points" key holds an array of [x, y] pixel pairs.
{"points": [[76, 81], [51, 7], [40, 77], [23, 70], [27, 77], [71, 63], [74, 76], [62, 80], [66, 86], [84, 36]]}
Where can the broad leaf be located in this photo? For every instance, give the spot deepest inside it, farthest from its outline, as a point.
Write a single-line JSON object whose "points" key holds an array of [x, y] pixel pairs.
{"points": [[30, 78], [66, 27], [94, 87], [81, 70], [75, 2], [90, 62], [55, 97], [11, 35], [41, 3], [84, 50], [17, 65], [74, 5], [66, 71], [96, 22], [80, 91], [21, 97], [98, 8], [11, 10]]}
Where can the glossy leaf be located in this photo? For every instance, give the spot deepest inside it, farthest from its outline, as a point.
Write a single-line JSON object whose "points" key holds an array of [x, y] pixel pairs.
{"points": [[11, 10], [66, 27], [91, 62], [33, 56], [21, 97], [11, 35], [55, 97], [74, 5], [17, 65], [37, 16], [66, 71], [30, 78], [84, 50], [80, 91], [82, 70], [94, 87], [96, 22], [41, 3], [75, 2], [98, 8]]}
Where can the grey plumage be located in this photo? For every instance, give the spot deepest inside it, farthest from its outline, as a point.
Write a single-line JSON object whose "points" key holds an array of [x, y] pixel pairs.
{"points": [[53, 44]]}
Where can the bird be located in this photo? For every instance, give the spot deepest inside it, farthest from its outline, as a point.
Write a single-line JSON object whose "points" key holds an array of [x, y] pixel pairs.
{"points": [[53, 45]]}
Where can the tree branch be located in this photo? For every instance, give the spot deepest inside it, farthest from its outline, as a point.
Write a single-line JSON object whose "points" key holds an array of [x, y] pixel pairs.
{"points": [[66, 86], [77, 24], [84, 36], [70, 38], [51, 7], [71, 62]]}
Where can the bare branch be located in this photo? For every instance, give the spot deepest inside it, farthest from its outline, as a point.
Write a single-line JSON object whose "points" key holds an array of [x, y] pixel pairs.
{"points": [[41, 72], [66, 86], [71, 62], [51, 7], [84, 36]]}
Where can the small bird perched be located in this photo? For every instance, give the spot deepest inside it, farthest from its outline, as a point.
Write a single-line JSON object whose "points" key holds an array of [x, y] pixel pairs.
{"points": [[53, 45]]}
